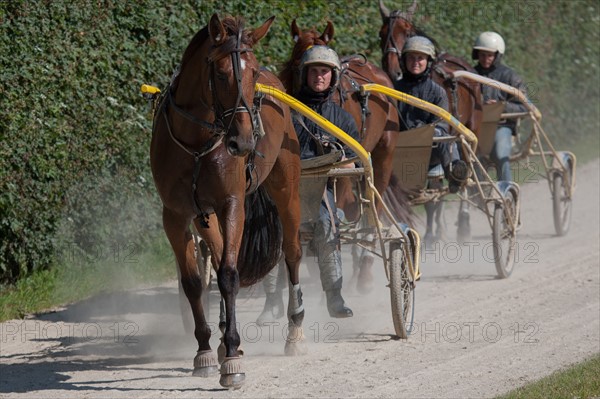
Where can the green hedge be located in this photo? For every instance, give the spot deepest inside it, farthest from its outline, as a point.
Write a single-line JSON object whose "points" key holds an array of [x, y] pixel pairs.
{"points": [[74, 131]]}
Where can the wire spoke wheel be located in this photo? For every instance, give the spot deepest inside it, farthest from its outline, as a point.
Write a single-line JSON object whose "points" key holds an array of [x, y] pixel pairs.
{"points": [[504, 236], [561, 204], [401, 291]]}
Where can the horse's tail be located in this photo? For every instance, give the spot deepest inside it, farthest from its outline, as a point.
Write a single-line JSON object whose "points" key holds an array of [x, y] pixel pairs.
{"points": [[398, 201], [262, 239]]}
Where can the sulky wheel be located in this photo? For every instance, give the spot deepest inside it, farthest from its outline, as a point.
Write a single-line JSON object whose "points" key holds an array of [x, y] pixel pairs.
{"points": [[561, 204], [401, 291], [504, 234]]}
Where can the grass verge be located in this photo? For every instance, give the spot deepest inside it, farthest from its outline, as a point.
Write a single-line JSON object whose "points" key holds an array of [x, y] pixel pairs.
{"points": [[78, 277], [579, 381]]}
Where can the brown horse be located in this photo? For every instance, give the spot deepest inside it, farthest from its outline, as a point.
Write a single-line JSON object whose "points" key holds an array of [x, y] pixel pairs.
{"points": [[464, 97], [221, 155], [376, 117]]}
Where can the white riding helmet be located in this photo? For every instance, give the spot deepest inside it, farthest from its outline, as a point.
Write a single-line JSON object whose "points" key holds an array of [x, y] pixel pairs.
{"points": [[488, 41], [321, 55], [419, 44]]}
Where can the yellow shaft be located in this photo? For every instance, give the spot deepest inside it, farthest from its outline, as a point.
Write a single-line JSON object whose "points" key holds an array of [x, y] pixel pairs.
{"points": [[501, 86], [335, 131], [434, 109]]}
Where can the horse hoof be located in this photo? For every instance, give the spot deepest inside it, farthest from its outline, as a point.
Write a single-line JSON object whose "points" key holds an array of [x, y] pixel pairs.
{"points": [[205, 372], [205, 364], [232, 376], [232, 381], [429, 240], [295, 349], [440, 235], [294, 343]]}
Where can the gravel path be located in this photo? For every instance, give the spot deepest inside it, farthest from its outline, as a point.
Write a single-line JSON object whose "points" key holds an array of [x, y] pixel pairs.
{"points": [[475, 335]]}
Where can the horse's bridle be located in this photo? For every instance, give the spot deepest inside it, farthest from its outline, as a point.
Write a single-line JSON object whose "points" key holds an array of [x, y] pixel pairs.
{"points": [[220, 113], [218, 126], [393, 48]]}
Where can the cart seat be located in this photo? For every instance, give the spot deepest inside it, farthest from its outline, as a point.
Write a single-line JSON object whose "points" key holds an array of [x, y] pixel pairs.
{"points": [[489, 125], [411, 157]]}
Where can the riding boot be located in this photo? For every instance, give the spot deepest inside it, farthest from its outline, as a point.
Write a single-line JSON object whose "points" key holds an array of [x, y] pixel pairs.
{"points": [[335, 304], [273, 309]]}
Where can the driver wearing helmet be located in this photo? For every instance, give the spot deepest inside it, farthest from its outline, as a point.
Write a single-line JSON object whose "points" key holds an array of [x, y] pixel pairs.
{"points": [[418, 54], [319, 72], [488, 50]]}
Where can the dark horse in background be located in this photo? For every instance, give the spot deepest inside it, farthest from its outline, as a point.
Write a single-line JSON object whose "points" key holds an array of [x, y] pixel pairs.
{"points": [[465, 98], [376, 117], [227, 160]]}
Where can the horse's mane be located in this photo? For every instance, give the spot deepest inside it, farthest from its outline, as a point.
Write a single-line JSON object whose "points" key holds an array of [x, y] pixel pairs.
{"points": [[197, 41], [232, 25], [458, 62], [308, 38]]}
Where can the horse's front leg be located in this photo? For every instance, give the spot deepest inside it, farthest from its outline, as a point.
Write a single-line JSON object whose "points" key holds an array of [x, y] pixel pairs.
{"points": [[177, 230], [232, 226]]}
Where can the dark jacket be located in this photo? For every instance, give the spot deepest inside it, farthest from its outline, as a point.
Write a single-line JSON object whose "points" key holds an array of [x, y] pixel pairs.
{"points": [[426, 89], [506, 75], [322, 105]]}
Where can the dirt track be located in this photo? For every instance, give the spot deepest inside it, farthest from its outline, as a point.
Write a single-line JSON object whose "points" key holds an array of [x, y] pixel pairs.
{"points": [[475, 335]]}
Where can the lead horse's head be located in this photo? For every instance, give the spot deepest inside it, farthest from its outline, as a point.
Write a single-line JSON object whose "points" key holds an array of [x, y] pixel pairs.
{"points": [[234, 72]]}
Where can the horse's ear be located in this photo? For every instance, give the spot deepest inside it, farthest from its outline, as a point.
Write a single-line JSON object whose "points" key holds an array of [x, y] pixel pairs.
{"points": [[261, 31], [411, 10], [295, 30], [383, 10], [327, 33], [216, 30]]}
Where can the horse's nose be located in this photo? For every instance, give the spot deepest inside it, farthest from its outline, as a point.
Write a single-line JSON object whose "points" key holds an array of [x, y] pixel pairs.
{"points": [[238, 147]]}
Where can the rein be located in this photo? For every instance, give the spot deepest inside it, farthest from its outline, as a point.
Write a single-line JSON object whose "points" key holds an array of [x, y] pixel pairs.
{"points": [[218, 127], [212, 143], [236, 53], [355, 87], [390, 36]]}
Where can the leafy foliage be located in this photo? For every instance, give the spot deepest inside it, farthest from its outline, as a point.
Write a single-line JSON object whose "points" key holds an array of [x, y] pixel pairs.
{"points": [[74, 131]]}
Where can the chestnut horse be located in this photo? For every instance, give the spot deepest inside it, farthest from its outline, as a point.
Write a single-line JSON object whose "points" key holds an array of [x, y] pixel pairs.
{"points": [[221, 155], [465, 99], [376, 117]]}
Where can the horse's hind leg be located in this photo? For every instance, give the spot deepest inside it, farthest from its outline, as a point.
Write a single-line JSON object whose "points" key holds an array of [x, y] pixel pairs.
{"points": [[440, 221], [293, 252], [288, 207], [430, 208], [294, 342], [177, 230]]}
